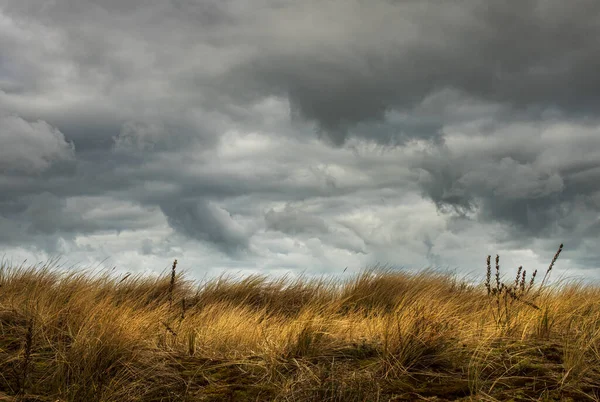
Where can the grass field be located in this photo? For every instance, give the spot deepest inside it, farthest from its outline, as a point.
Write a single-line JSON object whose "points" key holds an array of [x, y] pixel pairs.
{"points": [[378, 336]]}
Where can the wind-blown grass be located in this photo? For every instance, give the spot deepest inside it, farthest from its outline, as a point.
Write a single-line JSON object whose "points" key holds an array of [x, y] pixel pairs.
{"points": [[378, 336]]}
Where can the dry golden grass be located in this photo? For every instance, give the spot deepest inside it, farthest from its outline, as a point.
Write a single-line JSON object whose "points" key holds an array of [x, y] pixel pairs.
{"points": [[379, 336]]}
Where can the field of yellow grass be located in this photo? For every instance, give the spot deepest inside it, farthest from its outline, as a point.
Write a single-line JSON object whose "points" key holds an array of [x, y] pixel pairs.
{"points": [[380, 335]]}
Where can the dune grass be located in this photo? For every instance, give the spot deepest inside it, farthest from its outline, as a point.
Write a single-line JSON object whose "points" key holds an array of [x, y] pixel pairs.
{"points": [[378, 336]]}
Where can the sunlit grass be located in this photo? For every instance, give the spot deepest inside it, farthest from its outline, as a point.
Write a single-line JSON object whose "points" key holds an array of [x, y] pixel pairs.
{"points": [[380, 335]]}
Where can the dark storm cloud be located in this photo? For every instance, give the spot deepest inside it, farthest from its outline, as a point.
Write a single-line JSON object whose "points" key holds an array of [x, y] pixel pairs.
{"points": [[551, 192], [45, 221], [352, 62], [149, 104], [49, 214], [343, 62], [201, 220]]}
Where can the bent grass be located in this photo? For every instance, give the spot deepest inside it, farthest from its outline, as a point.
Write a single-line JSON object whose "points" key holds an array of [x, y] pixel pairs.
{"points": [[381, 335]]}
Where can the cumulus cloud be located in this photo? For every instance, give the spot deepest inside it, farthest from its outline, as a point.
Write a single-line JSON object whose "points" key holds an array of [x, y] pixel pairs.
{"points": [[30, 147], [529, 175], [282, 136], [354, 61]]}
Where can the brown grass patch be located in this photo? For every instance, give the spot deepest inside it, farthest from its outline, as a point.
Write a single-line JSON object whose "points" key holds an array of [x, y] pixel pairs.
{"points": [[382, 335]]}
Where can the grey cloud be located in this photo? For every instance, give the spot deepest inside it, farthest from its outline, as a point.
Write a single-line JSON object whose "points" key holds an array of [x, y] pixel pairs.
{"points": [[155, 135], [292, 222], [30, 147], [50, 214], [357, 62], [508, 179], [138, 136], [340, 63], [45, 220], [433, 258], [205, 113], [205, 221], [546, 194]]}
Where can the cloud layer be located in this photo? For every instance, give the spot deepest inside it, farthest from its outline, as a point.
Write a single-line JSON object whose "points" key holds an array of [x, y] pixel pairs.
{"points": [[287, 136]]}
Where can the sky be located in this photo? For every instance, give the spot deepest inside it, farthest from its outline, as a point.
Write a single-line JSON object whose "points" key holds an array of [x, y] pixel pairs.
{"points": [[287, 137]]}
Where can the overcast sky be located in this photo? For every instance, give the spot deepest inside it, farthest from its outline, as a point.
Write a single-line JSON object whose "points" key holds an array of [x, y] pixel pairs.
{"points": [[283, 136]]}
